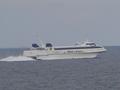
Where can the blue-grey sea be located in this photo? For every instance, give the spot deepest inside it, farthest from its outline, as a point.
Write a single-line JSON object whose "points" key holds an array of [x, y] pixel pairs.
{"points": [[101, 73]]}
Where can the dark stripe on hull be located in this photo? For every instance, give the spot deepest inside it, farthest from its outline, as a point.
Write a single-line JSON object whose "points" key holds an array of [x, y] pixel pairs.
{"points": [[76, 48]]}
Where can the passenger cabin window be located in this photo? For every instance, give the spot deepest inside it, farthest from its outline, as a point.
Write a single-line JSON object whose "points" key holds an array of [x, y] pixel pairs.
{"points": [[91, 44], [49, 45]]}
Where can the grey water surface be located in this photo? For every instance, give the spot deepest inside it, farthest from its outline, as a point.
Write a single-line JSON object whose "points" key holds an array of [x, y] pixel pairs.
{"points": [[101, 73]]}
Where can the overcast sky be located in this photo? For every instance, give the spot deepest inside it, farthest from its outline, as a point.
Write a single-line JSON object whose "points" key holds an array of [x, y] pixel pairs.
{"points": [[23, 22]]}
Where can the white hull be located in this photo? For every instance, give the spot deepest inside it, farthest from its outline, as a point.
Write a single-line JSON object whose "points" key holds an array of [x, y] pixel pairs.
{"points": [[65, 56], [52, 55]]}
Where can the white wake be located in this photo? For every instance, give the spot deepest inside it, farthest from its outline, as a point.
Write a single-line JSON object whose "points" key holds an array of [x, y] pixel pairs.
{"points": [[17, 58]]}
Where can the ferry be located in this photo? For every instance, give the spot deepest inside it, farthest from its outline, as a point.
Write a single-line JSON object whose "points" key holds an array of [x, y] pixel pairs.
{"points": [[49, 52]]}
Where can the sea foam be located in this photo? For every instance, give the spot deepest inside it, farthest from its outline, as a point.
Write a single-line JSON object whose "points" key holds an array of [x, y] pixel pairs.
{"points": [[17, 58]]}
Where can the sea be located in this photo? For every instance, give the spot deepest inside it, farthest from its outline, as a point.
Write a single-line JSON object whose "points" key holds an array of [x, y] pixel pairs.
{"points": [[21, 73]]}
